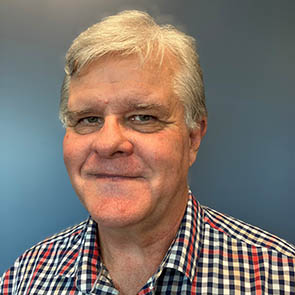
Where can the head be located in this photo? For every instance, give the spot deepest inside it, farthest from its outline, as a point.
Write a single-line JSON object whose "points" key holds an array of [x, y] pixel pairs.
{"points": [[136, 33], [133, 106]]}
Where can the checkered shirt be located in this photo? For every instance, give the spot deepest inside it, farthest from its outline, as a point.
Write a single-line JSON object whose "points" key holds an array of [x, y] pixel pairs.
{"points": [[211, 254]]}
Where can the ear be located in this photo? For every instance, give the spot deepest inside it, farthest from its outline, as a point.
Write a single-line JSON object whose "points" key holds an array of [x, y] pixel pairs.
{"points": [[196, 134]]}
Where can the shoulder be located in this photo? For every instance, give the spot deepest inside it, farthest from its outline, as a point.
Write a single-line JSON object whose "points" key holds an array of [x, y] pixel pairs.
{"points": [[70, 233], [49, 252], [252, 236], [65, 239]]}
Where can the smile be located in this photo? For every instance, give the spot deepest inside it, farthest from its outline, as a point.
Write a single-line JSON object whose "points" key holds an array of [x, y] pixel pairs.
{"points": [[115, 177]]}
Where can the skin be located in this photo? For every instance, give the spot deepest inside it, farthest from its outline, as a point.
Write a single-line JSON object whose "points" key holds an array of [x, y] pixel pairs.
{"points": [[128, 150]]}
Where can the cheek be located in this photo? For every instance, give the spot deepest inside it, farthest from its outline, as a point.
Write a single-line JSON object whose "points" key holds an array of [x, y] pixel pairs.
{"points": [[74, 150], [67, 148], [155, 149], [167, 152]]}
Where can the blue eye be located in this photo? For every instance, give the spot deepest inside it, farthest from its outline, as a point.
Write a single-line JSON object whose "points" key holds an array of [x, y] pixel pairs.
{"points": [[87, 125], [91, 120], [142, 118]]}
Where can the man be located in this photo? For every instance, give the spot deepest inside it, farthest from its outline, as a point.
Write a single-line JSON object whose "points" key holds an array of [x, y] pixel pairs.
{"points": [[134, 110]]}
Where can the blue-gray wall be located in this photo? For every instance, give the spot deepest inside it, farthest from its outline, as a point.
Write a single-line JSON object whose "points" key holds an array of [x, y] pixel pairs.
{"points": [[246, 165]]}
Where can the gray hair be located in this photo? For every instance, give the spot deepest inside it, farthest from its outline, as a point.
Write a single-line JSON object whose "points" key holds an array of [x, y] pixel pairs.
{"points": [[134, 32]]}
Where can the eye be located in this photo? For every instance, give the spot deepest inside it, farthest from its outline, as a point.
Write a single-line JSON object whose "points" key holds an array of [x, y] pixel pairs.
{"points": [[146, 123], [90, 120], [88, 125], [143, 119]]}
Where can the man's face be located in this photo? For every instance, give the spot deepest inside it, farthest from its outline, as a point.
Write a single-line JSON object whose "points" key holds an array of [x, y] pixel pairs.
{"points": [[128, 150]]}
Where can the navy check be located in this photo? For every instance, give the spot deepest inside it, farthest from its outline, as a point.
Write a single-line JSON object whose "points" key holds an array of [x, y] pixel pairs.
{"points": [[211, 254]]}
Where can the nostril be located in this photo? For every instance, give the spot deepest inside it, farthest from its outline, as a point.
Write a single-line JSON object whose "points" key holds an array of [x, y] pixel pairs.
{"points": [[118, 152]]}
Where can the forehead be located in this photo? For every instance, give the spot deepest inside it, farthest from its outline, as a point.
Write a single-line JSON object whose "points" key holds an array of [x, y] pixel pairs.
{"points": [[130, 67], [122, 78]]}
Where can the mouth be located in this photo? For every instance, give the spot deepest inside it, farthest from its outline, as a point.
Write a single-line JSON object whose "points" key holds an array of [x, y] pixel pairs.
{"points": [[115, 177]]}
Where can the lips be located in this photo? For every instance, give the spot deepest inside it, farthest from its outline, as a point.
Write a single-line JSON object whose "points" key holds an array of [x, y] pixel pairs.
{"points": [[99, 175], [114, 170], [113, 176]]}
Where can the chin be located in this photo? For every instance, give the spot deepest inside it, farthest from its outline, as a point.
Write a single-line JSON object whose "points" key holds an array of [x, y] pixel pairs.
{"points": [[118, 210], [114, 218]]}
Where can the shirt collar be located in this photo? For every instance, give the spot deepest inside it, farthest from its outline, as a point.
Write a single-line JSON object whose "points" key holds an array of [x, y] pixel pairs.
{"points": [[82, 260], [184, 251]]}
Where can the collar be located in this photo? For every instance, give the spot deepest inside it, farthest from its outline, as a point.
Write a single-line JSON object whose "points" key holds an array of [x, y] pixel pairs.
{"points": [[80, 258], [185, 249], [82, 261]]}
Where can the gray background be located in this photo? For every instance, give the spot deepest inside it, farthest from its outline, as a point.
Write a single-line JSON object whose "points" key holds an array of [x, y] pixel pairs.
{"points": [[246, 163]]}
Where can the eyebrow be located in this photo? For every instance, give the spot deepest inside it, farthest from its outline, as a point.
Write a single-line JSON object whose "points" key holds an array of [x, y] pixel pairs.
{"points": [[147, 106], [128, 106], [73, 115]]}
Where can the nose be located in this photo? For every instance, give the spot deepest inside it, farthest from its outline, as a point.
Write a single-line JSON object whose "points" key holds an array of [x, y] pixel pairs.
{"points": [[111, 140]]}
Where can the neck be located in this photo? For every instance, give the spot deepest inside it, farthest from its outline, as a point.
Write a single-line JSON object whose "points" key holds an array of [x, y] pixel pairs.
{"points": [[135, 252], [137, 242]]}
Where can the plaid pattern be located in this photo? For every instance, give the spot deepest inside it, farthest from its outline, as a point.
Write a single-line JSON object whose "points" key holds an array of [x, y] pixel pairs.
{"points": [[211, 254]]}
